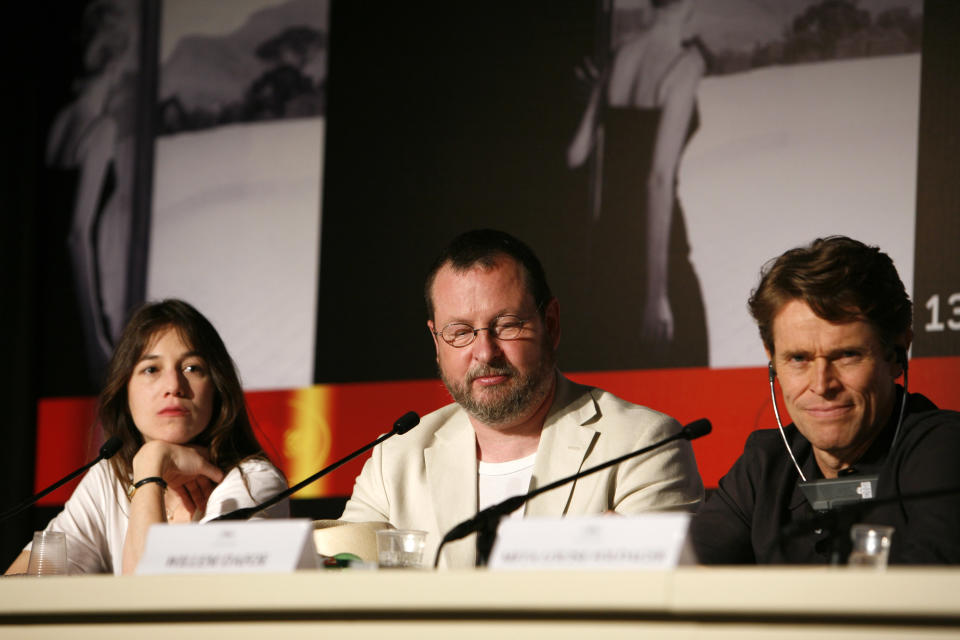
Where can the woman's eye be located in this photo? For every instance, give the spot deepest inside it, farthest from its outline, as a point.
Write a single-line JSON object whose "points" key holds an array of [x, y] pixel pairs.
{"points": [[194, 368], [149, 370]]}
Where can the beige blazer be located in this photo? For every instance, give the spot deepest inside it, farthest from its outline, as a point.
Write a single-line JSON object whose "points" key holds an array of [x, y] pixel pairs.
{"points": [[427, 478]]}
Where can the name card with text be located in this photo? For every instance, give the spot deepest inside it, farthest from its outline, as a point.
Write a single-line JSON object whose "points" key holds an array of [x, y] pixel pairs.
{"points": [[648, 541], [256, 546]]}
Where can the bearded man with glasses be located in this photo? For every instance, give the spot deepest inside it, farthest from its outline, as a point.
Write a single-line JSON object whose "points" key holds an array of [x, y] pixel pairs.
{"points": [[517, 423]]}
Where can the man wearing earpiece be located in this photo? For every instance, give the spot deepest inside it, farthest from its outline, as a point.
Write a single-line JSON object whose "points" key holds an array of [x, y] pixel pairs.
{"points": [[835, 320]]}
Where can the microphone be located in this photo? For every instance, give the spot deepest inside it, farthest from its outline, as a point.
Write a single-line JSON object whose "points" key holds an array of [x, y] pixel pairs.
{"points": [[486, 521], [110, 447], [696, 429], [403, 424]]}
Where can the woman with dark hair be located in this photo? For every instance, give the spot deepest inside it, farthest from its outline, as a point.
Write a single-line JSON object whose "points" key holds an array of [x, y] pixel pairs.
{"points": [[640, 115], [174, 399]]}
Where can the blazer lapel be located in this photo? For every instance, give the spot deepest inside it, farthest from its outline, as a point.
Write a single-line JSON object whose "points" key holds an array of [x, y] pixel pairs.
{"points": [[564, 444], [451, 469]]}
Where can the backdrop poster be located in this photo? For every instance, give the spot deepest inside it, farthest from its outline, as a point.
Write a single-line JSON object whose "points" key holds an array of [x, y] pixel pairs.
{"points": [[445, 117], [239, 165], [803, 123]]}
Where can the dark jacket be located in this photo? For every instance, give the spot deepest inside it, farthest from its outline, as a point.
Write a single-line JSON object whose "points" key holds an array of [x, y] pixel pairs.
{"points": [[742, 522]]}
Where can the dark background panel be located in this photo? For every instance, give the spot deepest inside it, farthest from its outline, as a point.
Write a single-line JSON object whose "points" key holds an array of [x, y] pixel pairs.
{"points": [[52, 70], [22, 153], [442, 117], [937, 254]]}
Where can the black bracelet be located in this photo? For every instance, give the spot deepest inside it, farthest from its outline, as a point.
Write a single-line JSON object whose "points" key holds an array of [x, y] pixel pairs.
{"points": [[157, 479]]}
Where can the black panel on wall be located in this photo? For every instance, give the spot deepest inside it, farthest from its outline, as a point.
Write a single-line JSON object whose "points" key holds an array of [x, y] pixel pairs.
{"points": [[936, 289], [442, 116], [22, 154]]}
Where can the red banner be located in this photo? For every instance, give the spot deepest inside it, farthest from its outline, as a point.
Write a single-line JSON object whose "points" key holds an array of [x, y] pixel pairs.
{"points": [[303, 430]]}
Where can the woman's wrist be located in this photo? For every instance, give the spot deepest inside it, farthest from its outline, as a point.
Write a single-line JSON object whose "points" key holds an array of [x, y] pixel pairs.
{"points": [[148, 461], [149, 481]]}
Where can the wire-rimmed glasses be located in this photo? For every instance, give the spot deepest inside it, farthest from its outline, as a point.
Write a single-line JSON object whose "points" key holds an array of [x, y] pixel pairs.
{"points": [[461, 334]]}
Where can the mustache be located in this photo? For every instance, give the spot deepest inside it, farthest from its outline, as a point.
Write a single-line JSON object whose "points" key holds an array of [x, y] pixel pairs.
{"points": [[484, 370]]}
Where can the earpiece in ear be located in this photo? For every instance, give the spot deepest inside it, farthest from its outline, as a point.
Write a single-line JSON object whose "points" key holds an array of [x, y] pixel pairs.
{"points": [[771, 372], [901, 355]]}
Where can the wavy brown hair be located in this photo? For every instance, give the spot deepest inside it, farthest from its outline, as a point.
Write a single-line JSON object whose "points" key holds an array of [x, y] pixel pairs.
{"points": [[841, 280], [229, 436]]}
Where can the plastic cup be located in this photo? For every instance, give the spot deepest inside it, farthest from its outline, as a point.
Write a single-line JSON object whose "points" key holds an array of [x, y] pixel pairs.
{"points": [[48, 554], [400, 548], [871, 545]]}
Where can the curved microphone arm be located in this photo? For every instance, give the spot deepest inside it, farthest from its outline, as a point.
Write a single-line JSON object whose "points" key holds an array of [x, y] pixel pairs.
{"points": [[486, 521], [110, 447], [406, 422]]}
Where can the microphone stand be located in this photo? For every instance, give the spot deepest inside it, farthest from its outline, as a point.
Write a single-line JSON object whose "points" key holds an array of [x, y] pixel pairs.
{"points": [[110, 447], [406, 422], [838, 521], [486, 522]]}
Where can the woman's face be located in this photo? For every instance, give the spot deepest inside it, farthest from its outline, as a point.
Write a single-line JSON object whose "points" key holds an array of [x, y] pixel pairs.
{"points": [[170, 394]]}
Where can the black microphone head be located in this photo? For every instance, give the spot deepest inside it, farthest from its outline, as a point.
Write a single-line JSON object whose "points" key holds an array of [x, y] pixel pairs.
{"points": [[406, 422], [110, 447], [696, 429]]}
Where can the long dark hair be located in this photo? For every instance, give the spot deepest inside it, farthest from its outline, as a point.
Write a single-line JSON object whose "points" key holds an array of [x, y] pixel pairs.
{"points": [[229, 436]]}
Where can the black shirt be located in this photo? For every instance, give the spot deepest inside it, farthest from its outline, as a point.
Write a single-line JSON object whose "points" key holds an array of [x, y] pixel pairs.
{"points": [[742, 521]]}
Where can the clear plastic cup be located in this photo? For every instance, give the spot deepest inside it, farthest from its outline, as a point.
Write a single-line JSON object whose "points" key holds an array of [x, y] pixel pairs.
{"points": [[400, 548], [48, 554], [871, 545]]}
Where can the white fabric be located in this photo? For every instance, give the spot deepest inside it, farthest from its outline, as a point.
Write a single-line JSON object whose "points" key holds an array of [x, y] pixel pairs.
{"points": [[498, 481], [95, 517]]}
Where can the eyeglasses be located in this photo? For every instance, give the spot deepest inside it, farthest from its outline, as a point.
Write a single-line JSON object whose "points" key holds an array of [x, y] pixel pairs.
{"points": [[461, 334]]}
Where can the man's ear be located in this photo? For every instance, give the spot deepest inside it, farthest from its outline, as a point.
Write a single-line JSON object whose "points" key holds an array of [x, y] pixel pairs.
{"points": [[436, 340], [552, 320], [900, 347]]}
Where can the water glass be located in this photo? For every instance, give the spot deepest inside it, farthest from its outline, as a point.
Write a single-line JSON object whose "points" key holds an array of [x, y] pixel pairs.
{"points": [[48, 555], [871, 545], [400, 548]]}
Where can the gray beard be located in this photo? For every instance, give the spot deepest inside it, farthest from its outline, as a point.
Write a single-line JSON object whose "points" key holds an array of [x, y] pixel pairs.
{"points": [[521, 395]]}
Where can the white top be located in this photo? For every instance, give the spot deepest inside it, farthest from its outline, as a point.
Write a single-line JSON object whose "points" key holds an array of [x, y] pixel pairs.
{"points": [[95, 517], [498, 481]]}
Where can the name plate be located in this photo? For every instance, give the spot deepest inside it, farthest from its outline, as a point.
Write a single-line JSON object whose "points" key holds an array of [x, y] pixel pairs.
{"points": [[648, 541], [256, 546]]}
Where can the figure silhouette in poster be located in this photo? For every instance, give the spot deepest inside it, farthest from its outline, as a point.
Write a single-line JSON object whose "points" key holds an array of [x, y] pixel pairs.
{"points": [[640, 115], [95, 136]]}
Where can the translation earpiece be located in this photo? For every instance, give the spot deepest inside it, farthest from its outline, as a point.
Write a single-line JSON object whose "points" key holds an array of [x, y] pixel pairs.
{"points": [[901, 354], [771, 372]]}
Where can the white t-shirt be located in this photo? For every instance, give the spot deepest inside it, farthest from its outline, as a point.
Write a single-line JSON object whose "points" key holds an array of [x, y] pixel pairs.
{"points": [[95, 517], [497, 481]]}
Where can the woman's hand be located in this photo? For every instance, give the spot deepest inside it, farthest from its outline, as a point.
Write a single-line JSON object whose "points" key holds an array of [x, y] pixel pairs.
{"points": [[657, 326], [178, 465], [190, 478], [189, 474], [587, 74], [188, 502]]}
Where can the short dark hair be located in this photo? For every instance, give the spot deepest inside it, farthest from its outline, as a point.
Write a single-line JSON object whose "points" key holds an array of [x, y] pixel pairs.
{"points": [[841, 280], [483, 247], [229, 436]]}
